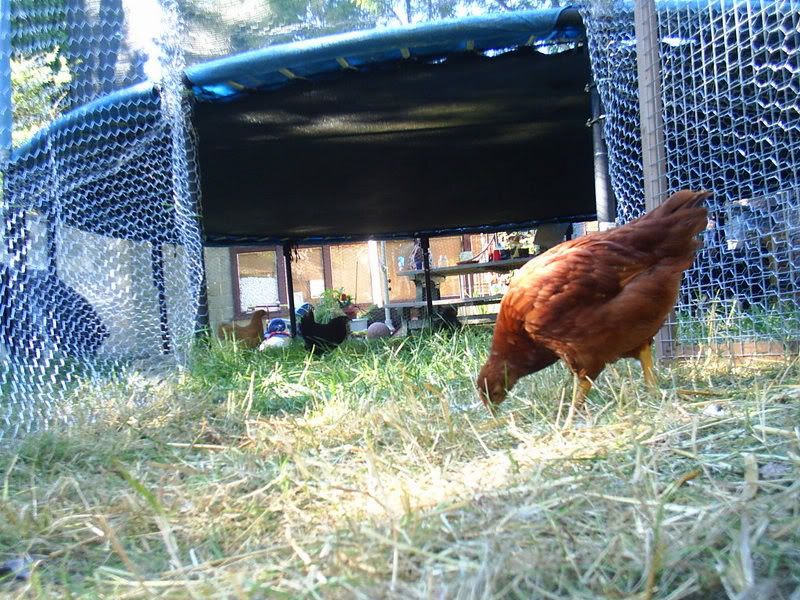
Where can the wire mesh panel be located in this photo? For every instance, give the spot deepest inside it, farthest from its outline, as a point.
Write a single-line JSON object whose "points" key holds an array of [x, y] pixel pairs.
{"points": [[612, 47], [729, 88], [100, 262]]}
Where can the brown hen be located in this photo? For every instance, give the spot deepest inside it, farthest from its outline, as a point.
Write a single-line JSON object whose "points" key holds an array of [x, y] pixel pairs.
{"points": [[595, 299], [249, 335]]}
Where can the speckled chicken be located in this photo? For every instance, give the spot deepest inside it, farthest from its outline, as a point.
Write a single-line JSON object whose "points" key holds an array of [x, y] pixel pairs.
{"points": [[594, 300]]}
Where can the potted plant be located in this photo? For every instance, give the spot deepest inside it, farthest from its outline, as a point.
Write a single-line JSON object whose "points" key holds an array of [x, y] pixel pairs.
{"points": [[334, 303]]}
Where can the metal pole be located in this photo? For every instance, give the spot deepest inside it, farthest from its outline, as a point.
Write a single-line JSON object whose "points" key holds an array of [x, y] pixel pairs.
{"points": [[201, 320], [6, 120], [10, 217], [287, 258], [654, 160], [157, 264], [53, 212], [603, 195], [52, 244], [425, 244], [387, 312]]}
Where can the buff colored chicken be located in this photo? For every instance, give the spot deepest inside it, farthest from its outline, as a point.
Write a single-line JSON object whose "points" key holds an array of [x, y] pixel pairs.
{"points": [[249, 335], [593, 300]]}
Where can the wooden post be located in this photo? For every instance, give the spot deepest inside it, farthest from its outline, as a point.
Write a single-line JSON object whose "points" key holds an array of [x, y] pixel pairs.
{"points": [[654, 160]]}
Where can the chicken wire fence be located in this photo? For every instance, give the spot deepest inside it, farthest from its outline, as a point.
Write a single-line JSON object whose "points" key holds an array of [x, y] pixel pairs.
{"points": [[730, 84], [100, 263]]}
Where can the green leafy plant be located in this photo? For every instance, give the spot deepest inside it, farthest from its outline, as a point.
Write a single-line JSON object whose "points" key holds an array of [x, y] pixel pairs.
{"points": [[40, 84], [332, 303]]}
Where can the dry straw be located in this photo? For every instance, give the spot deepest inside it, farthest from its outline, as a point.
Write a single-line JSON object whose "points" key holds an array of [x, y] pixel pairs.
{"points": [[373, 473]]}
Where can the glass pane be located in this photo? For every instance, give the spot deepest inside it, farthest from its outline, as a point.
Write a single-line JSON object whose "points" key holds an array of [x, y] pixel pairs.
{"points": [[479, 245], [350, 271], [397, 260], [445, 251], [258, 279], [308, 275], [480, 284]]}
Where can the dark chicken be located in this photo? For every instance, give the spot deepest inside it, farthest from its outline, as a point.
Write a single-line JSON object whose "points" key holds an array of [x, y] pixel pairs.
{"points": [[318, 337], [595, 299]]}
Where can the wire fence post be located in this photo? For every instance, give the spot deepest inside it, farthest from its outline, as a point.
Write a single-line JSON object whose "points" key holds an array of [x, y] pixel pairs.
{"points": [[157, 265], [651, 114], [6, 118]]}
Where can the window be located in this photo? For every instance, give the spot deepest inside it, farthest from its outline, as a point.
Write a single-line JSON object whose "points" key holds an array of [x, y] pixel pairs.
{"points": [[401, 288], [257, 279], [259, 275], [308, 275], [350, 271], [445, 251], [479, 284]]}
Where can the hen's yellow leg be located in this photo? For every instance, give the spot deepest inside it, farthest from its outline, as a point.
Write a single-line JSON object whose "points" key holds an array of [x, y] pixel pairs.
{"points": [[648, 369], [580, 389]]}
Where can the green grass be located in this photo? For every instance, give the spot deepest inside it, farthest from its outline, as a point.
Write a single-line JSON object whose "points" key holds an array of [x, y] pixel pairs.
{"points": [[373, 472], [726, 321]]}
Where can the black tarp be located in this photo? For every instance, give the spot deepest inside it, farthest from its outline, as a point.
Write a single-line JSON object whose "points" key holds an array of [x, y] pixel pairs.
{"points": [[407, 147]]}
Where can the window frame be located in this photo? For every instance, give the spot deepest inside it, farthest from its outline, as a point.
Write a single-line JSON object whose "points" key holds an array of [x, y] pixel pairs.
{"points": [[280, 267], [283, 310]]}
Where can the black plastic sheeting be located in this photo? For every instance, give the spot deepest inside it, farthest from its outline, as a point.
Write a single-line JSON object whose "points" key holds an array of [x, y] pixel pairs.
{"points": [[405, 148]]}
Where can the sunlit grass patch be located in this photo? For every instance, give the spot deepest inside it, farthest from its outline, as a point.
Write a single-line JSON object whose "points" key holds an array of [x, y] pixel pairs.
{"points": [[375, 472]]}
